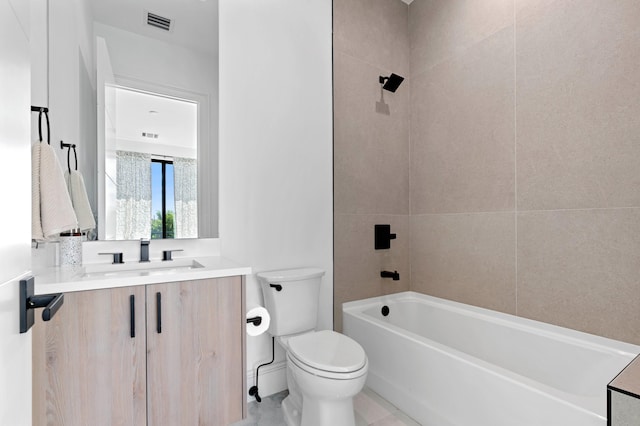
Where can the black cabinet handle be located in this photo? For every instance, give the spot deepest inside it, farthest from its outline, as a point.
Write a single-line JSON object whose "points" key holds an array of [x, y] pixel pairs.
{"points": [[158, 312], [132, 309]]}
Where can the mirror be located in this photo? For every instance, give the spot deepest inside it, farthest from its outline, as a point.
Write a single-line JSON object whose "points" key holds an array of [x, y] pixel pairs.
{"points": [[148, 70]]}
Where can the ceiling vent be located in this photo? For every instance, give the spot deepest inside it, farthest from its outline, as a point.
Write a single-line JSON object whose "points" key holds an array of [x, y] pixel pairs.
{"points": [[150, 135], [158, 21]]}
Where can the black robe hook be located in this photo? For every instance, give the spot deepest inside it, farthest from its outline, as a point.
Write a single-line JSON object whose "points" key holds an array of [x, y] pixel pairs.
{"points": [[75, 155], [45, 111]]}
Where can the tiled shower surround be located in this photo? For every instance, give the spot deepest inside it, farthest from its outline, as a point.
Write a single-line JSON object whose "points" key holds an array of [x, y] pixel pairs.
{"points": [[509, 162]]}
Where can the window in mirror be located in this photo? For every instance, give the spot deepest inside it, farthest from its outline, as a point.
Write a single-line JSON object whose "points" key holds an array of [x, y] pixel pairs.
{"points": [[162, 199]]}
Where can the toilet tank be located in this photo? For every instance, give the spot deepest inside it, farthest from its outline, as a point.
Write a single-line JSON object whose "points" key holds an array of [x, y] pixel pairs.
{"points": [[294, 308]]}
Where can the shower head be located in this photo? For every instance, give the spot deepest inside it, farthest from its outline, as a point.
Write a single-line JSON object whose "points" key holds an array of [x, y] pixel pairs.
{"points": [[391, 83]]}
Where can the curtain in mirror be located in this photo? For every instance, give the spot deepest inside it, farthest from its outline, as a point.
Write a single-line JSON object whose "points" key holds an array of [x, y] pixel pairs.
{"points": [[186, 197], [133, 197]]}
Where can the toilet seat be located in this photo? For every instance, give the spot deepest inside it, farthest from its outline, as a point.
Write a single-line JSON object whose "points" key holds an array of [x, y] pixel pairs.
{"points": [[328, 354], [327, 374]]}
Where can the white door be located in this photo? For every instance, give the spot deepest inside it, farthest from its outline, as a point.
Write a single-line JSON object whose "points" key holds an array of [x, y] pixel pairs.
{"points": [[15, 211]]}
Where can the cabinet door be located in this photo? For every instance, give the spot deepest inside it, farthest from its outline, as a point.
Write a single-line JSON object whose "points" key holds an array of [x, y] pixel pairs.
{"points": [[194, 352], [87, 369]]}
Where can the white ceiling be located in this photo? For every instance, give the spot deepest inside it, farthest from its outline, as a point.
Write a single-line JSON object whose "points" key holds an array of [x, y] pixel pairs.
{"points": [[175, 121], [195, 22]]}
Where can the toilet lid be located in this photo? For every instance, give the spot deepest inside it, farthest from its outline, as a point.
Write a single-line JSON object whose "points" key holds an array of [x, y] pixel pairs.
{"points": [[329, 351]]}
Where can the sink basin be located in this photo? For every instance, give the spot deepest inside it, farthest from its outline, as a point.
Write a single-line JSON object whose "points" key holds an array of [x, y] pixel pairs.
{"points": [[137, 269]]}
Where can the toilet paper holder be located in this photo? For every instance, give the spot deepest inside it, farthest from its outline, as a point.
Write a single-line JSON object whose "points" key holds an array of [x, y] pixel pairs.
{"points": [[255, 320]]}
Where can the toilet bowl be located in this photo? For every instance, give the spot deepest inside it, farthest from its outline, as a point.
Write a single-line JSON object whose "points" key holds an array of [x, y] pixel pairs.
{"points": [[325, 369]]}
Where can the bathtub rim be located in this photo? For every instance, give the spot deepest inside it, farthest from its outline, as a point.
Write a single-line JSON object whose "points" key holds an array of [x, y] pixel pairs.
{"points": [[584, 403], [582, 338]]}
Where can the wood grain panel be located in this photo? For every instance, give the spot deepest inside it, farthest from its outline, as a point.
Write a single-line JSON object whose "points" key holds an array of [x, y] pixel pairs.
{"points": [[195, 371], [87, 370]]}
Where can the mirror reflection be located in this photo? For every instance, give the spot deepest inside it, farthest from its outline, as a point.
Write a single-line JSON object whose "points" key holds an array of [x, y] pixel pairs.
{"points": [[151, 67], [152, 164]]}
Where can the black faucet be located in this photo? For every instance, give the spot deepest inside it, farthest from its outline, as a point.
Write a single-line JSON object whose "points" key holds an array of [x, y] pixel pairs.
{"points": [[388, 274], [144, 250]]}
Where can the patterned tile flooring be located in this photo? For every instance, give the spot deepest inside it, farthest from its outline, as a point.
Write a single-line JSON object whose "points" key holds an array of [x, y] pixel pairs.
{"points": [[371, 410]]}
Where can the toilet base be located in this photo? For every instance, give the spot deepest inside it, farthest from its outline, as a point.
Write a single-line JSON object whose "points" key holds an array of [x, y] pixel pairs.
{"points": [[292, 415], [328, 413], [319, 413]]}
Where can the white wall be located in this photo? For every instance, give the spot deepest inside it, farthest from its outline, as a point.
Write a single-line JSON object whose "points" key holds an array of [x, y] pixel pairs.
{"points": [[39, 55], [15, 191], [70, 61], [276, 147], [71, 86]]}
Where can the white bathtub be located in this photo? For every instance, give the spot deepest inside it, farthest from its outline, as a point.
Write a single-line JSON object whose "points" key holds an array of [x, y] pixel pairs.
{"points": [[446, 363]]}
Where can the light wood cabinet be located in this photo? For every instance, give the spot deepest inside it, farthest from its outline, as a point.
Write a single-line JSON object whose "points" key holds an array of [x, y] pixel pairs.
{"points": [[184, 365], [87, 369], [194, 354]]}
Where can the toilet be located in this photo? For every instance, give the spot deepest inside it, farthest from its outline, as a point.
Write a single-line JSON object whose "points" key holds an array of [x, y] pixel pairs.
{"points": [[325, 369]]}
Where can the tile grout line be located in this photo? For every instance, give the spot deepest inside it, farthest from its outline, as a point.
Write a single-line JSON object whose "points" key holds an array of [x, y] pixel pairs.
{"points": [[515, 147], [410, 150], [373, 214], [525, 211]]}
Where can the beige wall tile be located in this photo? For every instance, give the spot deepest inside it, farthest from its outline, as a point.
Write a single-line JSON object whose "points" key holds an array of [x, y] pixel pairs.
{"points": [[577, 109], [580, 269], [374, 31], [578, 104], [469, 258], [371, 150], [440, 29], [462, 131], [530, 8], [357, 264]]}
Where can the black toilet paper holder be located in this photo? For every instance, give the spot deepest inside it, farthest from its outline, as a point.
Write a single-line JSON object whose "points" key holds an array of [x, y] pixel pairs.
{"points": [[255, 320]]}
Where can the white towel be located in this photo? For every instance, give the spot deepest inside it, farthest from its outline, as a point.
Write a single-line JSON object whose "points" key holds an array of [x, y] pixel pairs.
{"points": [[52, 211], [80, 200], [36, 223]]}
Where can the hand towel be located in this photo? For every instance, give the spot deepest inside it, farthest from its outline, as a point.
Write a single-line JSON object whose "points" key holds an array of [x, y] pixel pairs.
{"points": [[36, 223], [54, 212], [80, 200]]}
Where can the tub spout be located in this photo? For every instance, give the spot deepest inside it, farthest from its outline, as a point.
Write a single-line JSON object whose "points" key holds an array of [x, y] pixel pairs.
{"points": [[388, 274]]}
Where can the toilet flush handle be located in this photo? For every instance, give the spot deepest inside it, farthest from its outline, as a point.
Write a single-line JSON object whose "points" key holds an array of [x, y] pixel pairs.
{"points": [[278, 287]]}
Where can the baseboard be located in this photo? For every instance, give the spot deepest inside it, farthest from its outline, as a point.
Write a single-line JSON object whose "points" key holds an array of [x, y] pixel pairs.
{"points": [[273, 379]]}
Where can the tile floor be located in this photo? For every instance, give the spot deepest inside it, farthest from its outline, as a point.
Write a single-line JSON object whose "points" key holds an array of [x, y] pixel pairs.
{"points": [[371, 410]]}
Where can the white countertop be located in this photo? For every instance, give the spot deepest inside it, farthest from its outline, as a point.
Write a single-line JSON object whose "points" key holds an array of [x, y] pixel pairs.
{"points": [[66, 279]]}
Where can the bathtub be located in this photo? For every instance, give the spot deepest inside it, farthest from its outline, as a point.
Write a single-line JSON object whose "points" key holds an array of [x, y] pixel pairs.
{"points": [[449, 364]]}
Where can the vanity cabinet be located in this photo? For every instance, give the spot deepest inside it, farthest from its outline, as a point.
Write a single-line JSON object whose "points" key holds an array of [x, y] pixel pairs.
{"points": [[160, 354], [87, 370], [194, 337]]}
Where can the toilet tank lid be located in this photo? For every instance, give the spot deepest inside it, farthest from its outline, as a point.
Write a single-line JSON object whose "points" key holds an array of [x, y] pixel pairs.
{"points": [[290, 275]]}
